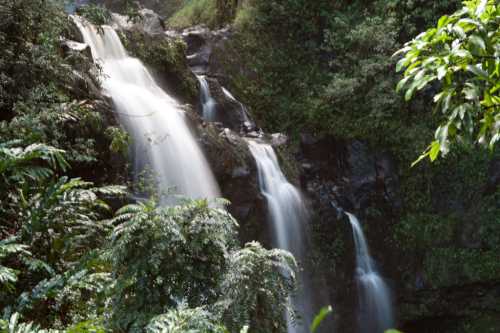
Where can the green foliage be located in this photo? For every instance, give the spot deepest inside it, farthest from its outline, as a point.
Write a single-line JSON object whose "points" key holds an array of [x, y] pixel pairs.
{"points": [[96, 14], [163, 255], [462, 54], [226, 11], [451, 266], [256, 288], [64, 263], [120, 140], [183, 319], [14, 326], [18, 164], [323, 313], [8, 276], [195, 12], [168, 57], [29, 41], [304, 62]]}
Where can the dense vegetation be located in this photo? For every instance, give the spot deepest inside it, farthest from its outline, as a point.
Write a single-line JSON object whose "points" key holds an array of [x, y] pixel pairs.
{"points": [[462, 54], [79, 253], [327, 67], [70, 257]]}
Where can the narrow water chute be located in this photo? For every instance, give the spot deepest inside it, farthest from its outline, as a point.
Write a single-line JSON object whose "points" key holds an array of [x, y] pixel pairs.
{"points": [[375, 309], [209, 106], [288, 215]]}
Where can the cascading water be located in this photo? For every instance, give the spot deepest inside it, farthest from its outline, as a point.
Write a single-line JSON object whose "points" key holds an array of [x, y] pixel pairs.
{"points": [[375, 314], [155, 120], [243, 109], [207, 101], [288, 213]]}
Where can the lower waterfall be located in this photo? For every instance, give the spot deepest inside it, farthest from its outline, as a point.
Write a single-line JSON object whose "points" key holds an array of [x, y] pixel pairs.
{"points": [[154, 119], [288, 215], [375, 310]]}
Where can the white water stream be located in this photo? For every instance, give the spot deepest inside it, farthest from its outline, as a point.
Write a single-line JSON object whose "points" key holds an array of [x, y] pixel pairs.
{"points": [[288, 215], [207, 101], [154, 119], [375, 315]]}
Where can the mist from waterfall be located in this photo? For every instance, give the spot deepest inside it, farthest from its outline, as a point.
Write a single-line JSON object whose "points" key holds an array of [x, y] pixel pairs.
{"points": [[207, 101], [288, 216], [375, 310], [154, 119]]}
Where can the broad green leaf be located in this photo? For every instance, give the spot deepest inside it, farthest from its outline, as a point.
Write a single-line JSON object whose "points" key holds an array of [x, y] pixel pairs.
{"points": [[441, 72], [478, 42], [402, 83], [434, 152], [459, 31], [461, 53], [421, 157], [443, 21], [320, 317], [477, 70]]}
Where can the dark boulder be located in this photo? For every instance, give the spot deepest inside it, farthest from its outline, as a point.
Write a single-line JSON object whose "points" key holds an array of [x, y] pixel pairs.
{"points": [[359, 176], [204, 49]]}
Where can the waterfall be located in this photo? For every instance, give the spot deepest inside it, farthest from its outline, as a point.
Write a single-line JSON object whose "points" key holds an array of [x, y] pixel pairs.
{"points": [[243, 109], [287, 214], [154, 119], [375, 314], [207, 101]]}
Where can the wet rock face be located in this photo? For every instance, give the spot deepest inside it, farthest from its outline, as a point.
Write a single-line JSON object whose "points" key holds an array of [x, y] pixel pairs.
{"points": [[150, 22], [202, 43], [236, 172], [228, 111], [348, 174]]}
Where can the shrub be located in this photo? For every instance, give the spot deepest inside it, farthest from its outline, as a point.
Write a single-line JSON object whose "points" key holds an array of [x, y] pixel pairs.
{"points": [[195, 12]]}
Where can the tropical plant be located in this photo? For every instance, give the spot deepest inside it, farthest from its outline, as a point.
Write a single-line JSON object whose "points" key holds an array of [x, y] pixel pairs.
{"points": [[19, 164], [8, 246], [97, 14], [177, 260], [323, 313], [14, 325], [459, 61], [256, 288], [64, 220], [163, 255], [183, 319]]}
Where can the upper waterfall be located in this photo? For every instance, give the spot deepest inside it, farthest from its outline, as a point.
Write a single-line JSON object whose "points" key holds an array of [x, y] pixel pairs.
{"points": [[154, 119]]}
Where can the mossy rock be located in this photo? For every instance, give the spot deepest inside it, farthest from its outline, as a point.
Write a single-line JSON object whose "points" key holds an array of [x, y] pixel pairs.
{"points": [[166, 56]]}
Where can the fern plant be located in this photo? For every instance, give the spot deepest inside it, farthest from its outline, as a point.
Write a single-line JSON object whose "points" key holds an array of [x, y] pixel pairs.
{"points": [[62, 222], [8, 276], [184, 319], [18, 164], [256, 288], [162, 255]]}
